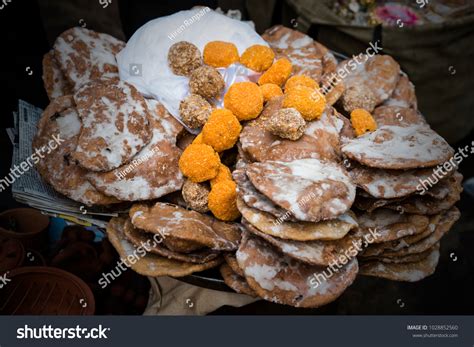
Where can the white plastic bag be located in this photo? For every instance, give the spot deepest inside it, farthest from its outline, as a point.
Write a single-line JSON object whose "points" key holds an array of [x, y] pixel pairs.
{"points": [[143, 62]]}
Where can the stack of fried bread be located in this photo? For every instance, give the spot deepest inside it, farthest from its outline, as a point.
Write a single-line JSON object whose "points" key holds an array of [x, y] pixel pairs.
{"points": [[291, 204], [115, 144]]}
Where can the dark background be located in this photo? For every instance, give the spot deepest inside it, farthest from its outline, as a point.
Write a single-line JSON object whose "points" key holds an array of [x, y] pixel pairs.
{"points": [[449, 291]]}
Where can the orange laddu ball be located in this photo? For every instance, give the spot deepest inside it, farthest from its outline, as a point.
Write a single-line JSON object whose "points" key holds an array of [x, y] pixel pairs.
{"points": [[198, 139], [308, 101], [221, 130], [300, 80], [220, 54], [270, 91], [199, 162], [223, 174], [362, 121], [245, 100], [257, 57], [278, 73], [222, 201]]}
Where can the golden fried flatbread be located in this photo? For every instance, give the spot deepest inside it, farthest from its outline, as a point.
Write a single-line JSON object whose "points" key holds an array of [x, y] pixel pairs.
{"points": [[297, 47], [231, 260], [235, 281], [399, 147], [253, 198], [407, 272], [391, 225], [149, 264], [312, 189], [60, 121], [321, 138], [278, 278], [439, 198], [439, 225], [409, 258], [322, 253], [154, 171], [298, 231], [140, 238], [389, 184], [186, 225], [445, 224], [403, 95], [379, 73]]}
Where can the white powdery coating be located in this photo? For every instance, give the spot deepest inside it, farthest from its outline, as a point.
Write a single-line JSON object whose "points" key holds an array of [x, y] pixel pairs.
{"points": [[108, 130], [311, 251], [306, 173], [325, 286], [346, 217], [380, 218], [389, 145], [138, 187], [301, 51], [79, 194], [359, 74], [137, 214], [176, 221], [264, 275], [100, 54], [69, 124], [128, 248]]}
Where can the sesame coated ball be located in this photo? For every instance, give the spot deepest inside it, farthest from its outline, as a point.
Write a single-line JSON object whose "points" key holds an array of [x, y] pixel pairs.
{"points": [[184, 58], [206, 82], [196, 195], [194, 111], [358, 96], [287, 123]]}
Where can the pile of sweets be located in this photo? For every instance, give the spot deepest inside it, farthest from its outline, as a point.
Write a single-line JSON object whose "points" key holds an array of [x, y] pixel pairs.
{"points": [[299, 181]]}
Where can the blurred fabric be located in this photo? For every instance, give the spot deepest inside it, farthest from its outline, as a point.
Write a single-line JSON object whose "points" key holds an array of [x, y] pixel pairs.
{"points": [[172, 297]]}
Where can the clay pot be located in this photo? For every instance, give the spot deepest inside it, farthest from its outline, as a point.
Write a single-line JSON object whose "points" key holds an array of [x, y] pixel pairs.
{"points": [[27, 225], [12, 254], [45, 290]]}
